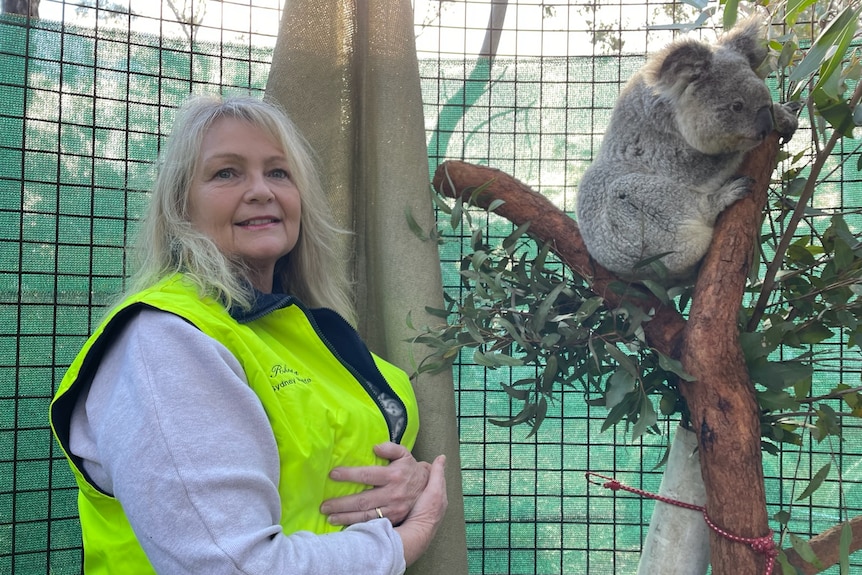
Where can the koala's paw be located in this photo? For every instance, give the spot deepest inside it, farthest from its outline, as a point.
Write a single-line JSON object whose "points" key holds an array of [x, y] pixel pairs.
{"points": [[785, 120], [733, 190]]}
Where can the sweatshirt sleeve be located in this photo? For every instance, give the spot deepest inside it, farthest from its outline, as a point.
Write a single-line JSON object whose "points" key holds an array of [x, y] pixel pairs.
{"points": [[172, 430]]}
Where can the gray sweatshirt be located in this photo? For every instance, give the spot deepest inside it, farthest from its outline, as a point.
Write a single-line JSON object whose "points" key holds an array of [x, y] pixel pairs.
{"points": [[171, 429]]}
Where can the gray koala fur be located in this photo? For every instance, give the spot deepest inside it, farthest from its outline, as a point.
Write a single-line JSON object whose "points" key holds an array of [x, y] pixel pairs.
{"points": [[668, 161]]}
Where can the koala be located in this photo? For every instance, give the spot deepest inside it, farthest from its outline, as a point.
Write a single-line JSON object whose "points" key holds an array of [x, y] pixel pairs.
{"points": [[667, 165]]}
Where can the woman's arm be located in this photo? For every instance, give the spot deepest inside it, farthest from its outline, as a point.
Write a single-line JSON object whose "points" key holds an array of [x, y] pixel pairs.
{"points": [[172, 430]]}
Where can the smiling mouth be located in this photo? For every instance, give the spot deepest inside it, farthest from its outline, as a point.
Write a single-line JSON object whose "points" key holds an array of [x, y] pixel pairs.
{"points": [[258, 222]]}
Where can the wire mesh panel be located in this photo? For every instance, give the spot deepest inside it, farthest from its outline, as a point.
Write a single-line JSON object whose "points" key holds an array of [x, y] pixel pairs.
{"points": [[537, 109], [83, 109], [86, 95]]}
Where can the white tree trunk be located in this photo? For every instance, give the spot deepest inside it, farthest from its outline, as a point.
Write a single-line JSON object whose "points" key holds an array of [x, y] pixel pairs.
{"points": [[677, 542]]}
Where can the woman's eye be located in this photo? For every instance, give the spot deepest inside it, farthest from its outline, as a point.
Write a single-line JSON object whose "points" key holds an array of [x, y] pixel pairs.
{"points": [[224, 174], [279, 173]]}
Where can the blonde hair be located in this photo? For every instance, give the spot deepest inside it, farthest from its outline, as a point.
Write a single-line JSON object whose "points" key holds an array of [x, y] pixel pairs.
{"points": [[167, 242]]}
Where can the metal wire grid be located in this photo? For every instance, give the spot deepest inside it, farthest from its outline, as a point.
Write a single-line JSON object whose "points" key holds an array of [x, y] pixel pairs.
{"points": [[83, 111], [541, 120]]}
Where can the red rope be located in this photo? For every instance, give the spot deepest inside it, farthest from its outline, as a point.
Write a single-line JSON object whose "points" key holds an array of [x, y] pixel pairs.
{"points": [[764, 545]]}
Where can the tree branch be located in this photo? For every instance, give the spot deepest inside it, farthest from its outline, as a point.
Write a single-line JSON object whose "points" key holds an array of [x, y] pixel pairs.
{"points": [[721, 402], [550, 224], [826, 547]]}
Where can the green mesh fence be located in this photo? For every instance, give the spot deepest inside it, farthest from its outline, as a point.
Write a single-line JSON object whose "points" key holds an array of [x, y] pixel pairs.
{"points": [[541, 120], [81, 117]]}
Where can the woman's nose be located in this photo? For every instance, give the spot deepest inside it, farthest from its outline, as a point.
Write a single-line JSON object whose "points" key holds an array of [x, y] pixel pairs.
{"points": [[258, 188]]}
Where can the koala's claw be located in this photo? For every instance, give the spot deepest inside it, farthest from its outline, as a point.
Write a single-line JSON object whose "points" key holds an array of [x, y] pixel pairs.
{"points": [[747, 180], [784, 118], [792, 106], [735, 189], [743, 185]]}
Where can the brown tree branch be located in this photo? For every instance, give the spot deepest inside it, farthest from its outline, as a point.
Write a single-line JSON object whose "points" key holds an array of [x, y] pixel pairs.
{"points": [[826, 548], [721, 402], [550, 224]]}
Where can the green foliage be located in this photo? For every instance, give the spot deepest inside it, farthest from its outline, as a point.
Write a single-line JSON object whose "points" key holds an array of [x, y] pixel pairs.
{"points": [[523, 311]]}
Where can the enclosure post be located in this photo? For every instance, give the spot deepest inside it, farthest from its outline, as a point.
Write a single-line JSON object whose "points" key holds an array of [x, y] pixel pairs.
{"points": [[677, 542]]}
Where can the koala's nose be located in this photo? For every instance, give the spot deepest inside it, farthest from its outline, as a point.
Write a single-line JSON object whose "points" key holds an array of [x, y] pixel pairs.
{"points": [[763, 122]]}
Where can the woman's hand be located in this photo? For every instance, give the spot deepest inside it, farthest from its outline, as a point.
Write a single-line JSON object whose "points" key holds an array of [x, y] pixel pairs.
{"points": [[422, 522], [395, 488]]}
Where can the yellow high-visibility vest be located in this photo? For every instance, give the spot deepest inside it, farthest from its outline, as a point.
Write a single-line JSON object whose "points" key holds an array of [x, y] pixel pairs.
{"points": [[320, 409]]}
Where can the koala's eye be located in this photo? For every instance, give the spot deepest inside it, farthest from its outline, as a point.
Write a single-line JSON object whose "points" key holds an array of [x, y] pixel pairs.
{"points": [[737, 106]]}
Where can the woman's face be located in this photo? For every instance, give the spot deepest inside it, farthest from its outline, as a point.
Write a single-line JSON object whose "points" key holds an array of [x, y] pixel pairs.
{"points": [[242, 197]]}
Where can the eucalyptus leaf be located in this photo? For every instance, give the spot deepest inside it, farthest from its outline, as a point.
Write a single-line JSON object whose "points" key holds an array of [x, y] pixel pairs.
{"points": [[619, 385], [515, 393], [794, 8], [501, 360], [549, 374], [514, 332], [777, 375], [826, 423], [755, 345], [437, 312], [550, 340], [646, 418], [674, 366], [414, 225], [541, 409], [786, 567], [664, 458], [473, 330], [658, 290], [509, 241], [843, 37], [455, 215], [622, 359], [814, 485], [776, 400], [440, 202], [619, 411], [433, 367], [822, 46], [837, 112], [476, 237], [782, 517], [523, 416], [541, 314], [731, 8], [588, 308], [495, 204], [815, 332], [796, 186], [450, 353], [803, 548]]}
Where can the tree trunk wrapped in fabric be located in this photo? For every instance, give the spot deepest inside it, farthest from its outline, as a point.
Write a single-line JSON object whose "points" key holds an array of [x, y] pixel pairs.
{"points": [[347, 74]]}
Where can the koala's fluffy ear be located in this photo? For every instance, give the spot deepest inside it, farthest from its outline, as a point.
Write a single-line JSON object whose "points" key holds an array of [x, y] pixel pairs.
{"points": [[678, 65], [747, 38]]}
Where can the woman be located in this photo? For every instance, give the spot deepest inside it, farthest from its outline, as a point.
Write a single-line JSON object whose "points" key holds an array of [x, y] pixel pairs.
{"points": [[225, 417]]}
